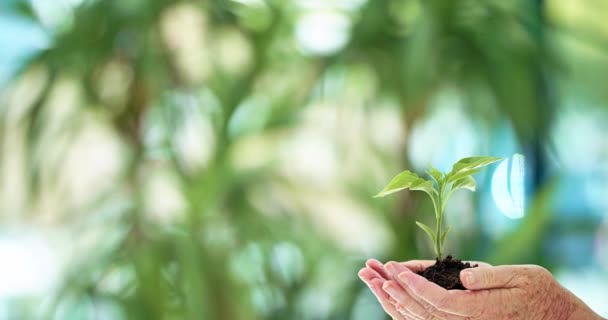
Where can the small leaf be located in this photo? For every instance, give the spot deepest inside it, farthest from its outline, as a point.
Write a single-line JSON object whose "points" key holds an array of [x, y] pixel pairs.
{"points": [[468, 166], [473, 163], [435, 174], [461, 174], [445, 233], [467, 182], [424, 185], [404, 180], [427, 229]]}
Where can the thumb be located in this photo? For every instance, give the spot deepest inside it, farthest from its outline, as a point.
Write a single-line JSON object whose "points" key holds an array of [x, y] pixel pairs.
{"points": [[490, 277]]}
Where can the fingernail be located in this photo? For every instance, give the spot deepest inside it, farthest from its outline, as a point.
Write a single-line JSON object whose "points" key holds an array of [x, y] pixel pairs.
{"points": [[361, 273], [469, 277], [372, 262]]}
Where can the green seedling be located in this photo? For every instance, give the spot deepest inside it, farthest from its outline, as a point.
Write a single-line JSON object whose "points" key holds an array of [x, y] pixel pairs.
{"points": [[439, 187]]}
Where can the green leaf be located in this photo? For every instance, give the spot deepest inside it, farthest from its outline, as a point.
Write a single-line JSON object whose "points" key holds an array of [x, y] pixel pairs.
{"points": [[462, 174], [467, 182], [460, 178], [445, 233], [424, 185], [469, 166], [427, 229], [471, 163], [435, 174], [405, 180]]}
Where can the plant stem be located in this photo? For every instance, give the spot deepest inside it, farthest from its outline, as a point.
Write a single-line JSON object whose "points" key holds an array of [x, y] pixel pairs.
{"points": [[439, 215]]}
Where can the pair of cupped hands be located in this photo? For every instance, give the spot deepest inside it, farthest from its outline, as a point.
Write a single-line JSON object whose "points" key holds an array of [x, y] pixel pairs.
{"points": [[513, 292]]}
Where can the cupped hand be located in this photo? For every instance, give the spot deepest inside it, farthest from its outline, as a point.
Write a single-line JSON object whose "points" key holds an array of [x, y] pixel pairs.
{"points": [[503, 292], [376, 275]]}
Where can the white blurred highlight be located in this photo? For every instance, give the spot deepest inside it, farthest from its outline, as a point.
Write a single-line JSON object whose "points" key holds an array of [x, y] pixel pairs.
{"points": [[322, 32], [184, 31], [588, 285], [29, 265], [508, 187]]}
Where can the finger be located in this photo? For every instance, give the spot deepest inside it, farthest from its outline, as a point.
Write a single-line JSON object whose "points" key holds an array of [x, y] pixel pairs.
{"points": [[404, 312], [367, 274], [491, 278], [422, 287], [406, 304], [378, 267], [393, 269], [452, 304], [417, 265], [421, 307], [409, 303], [435, 298], [376, 287]]}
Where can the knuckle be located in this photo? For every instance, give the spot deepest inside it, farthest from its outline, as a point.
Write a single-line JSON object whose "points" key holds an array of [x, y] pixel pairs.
{"points": [[488, 277], [529, 274], [405, 314], [430, 311], [513, 279], [537, 273], [543, 273], [409, 306], [429, 317], [401, 309]]}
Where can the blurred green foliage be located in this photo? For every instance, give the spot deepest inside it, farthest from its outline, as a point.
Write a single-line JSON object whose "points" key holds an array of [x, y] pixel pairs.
{"points": [[231, 78]]}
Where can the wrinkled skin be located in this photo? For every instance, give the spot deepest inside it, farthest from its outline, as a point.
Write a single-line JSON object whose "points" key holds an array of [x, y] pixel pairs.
{"points": [[524, 292]]}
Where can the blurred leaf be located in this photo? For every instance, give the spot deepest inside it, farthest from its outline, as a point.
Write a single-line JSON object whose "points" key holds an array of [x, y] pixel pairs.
{"points": [[473, 163], [467, 182], [405, 180], [461, 174], [468, 166], [18, 7], [428, 230], [435, 174], [410, 52], [445, 233]]}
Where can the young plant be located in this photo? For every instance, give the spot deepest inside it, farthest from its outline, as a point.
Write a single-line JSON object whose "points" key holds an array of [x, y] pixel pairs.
{"points": [[440, 187]]}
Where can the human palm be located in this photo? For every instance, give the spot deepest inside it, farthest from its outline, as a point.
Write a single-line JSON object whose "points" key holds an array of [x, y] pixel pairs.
{"points": [[525, 292]]}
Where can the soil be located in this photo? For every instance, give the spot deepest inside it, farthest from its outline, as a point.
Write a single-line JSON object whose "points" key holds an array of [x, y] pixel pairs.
{"points": [[446, 273]]}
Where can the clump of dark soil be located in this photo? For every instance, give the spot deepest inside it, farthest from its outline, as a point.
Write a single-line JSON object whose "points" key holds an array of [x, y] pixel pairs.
{"points": [[446, 273]]}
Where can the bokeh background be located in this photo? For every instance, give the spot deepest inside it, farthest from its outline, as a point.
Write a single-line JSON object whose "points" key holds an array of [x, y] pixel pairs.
{"points": [[217, 159]]}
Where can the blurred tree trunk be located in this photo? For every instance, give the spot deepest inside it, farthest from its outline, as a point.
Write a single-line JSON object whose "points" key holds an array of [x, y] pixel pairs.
{"points": [[535, 151], [533, 148]]}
